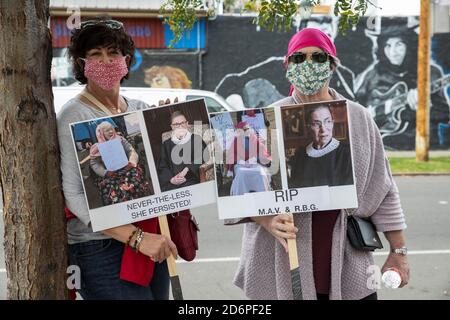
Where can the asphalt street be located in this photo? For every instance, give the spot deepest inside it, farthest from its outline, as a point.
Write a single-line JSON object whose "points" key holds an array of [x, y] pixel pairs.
{"points": [[426, 202]]}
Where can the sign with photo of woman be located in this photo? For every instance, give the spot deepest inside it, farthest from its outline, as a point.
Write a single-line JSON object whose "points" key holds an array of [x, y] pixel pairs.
{"points": [[322, 156], [308, 163], [113, 168], [244, 163], [179, 135], [144, 164]]}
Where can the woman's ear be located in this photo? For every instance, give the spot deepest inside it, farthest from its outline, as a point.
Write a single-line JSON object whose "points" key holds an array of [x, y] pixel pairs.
{"points": [[333, 65], [80, 62], [285, 62]]}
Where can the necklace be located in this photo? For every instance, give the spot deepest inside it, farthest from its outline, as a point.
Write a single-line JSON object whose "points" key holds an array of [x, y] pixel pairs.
{"points": [[100, 105], [118, 109]]}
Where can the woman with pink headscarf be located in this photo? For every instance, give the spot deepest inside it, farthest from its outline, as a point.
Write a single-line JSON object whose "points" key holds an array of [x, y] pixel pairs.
{"points": [[121, 185], [330, 268]]}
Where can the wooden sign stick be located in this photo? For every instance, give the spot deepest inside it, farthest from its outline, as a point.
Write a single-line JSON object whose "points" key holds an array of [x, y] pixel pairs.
{"points": [[174, 279], [295, 270]]}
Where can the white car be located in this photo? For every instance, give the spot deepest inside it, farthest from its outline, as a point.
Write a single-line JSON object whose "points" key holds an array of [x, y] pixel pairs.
{"points": [[152, 96]]}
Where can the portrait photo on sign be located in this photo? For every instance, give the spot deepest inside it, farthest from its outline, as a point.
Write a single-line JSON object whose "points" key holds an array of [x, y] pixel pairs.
{"points": [[317, 145], [112, 160], [180, 139], [246, 156]]}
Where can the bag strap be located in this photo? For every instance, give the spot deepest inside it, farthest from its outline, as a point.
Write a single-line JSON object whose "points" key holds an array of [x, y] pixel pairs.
{"points": [[95, 101]]}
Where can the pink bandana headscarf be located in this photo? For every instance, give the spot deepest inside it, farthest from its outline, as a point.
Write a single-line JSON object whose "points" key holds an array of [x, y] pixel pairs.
{"points": [[310, 37]]}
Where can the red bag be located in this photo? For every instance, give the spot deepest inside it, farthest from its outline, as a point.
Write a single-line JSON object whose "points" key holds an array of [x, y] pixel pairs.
{"points": [[183, 232]]}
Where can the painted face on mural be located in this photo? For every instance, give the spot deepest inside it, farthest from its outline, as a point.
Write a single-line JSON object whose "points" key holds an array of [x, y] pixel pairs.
{"points": [[160, 81], [395, 50], [321, 127]]}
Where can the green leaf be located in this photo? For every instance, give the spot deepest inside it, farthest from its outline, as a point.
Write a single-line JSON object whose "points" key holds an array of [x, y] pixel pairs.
{"points": [[273, 15]]}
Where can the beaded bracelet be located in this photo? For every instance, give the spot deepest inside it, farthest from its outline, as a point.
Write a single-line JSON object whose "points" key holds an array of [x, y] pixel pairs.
{"points": [[132, 235], [134, 246], [139, 242], [139, 238]]}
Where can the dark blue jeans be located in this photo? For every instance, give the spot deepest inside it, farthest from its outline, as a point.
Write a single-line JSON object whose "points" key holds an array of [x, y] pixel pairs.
{"points": [[99, 262]]}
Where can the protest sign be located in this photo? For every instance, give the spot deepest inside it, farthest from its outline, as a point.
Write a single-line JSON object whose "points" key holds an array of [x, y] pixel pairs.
{"points": [[145, 163], [303, 165]]}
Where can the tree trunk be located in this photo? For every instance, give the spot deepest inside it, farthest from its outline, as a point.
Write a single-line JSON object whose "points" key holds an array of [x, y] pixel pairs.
{"points": [[423, 84], [35, 237]]}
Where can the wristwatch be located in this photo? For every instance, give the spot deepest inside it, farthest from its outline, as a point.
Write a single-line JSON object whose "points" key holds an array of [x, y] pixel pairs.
{"points": [[403, 251]]}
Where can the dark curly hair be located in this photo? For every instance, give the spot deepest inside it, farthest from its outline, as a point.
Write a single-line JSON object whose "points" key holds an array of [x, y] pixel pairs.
{"points": [[100, 35]]}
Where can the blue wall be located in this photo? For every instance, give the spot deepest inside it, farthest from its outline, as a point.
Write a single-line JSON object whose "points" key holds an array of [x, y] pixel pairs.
{"points": [[189, 39]]}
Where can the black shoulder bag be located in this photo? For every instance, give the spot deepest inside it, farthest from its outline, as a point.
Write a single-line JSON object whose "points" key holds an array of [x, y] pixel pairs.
{"points": [[362, 234]]}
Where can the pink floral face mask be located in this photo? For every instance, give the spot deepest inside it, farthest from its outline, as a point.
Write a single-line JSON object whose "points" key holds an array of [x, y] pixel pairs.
{"points": [[105, 75]]}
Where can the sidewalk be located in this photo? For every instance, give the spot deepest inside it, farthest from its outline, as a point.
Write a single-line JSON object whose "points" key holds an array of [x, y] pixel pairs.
{"points": [[412, 154]]}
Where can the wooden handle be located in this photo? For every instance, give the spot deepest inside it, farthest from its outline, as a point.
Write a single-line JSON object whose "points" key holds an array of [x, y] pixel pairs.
{"points": [[85, 159], [164, 226], [293, 254]]}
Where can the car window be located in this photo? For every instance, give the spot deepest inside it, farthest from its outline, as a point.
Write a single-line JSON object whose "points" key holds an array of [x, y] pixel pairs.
{"points": [[212, 104]]}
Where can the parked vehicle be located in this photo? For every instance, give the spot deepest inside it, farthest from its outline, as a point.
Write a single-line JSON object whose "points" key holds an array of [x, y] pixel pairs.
{"points": [[152, 96]]}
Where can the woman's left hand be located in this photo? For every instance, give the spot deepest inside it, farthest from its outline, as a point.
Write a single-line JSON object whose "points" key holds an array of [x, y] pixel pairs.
{"points": [[400, 263], [167, 101]]}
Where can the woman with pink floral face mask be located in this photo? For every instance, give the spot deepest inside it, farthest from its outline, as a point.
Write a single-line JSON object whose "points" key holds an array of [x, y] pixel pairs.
{"points": [[102, 52]]}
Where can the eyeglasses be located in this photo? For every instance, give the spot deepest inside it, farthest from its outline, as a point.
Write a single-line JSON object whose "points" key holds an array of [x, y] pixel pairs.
{"points": [[328, 123], [112, 24], [178, 124], [300, 57]]}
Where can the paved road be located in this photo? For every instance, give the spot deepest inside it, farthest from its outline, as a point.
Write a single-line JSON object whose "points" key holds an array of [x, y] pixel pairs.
{"points": [[426, 201]]}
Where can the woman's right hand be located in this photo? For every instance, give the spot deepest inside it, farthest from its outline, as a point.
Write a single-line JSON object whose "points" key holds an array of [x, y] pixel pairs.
{"points": [[177, 180], [158, 247], [281, 226]]}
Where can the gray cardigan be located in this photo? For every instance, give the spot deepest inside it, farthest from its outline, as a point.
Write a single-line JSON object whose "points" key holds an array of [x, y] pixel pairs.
{"points": [[74, 110], [263, 271]]}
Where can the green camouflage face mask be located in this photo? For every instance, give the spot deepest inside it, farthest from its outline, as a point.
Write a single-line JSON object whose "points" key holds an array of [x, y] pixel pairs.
{"points": [[309, 76]]}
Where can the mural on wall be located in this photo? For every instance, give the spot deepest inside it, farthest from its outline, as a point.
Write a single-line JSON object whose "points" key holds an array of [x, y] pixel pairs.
{"points": [[440, 48], [167, 77], [378, 69], [256, 93], [388, 87]]}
